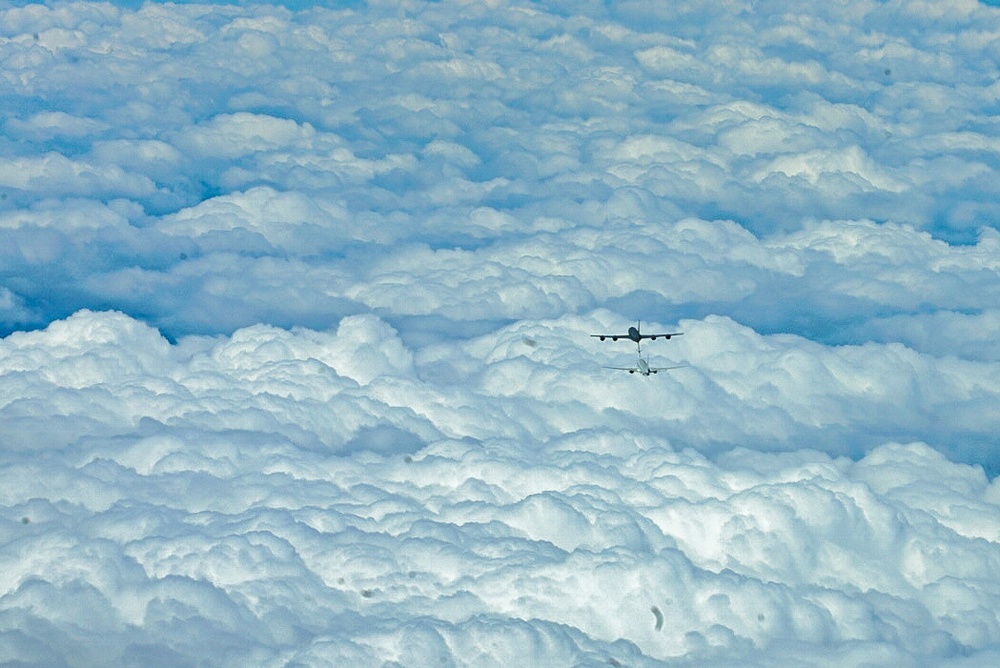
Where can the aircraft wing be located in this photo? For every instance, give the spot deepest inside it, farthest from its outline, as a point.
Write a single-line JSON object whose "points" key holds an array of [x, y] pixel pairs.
{"points": [[630, 369], [660, 336], [615, 337], [654, 369]]}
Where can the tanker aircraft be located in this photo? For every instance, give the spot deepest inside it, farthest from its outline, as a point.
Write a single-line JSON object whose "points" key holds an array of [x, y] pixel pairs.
{"points": [[633, 334]]}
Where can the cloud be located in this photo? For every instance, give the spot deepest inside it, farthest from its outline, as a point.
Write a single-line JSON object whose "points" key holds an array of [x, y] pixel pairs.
{"points": [[312, 494], [45, 125], [943, 333], [275, 216], [774, 391], [54, 173], [70, 216], [391, 155], [229, 136], [296, 303]]}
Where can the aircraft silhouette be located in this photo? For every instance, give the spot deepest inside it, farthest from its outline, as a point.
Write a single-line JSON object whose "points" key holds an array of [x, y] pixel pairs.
{"points": [[634, 334], [642, 367]]}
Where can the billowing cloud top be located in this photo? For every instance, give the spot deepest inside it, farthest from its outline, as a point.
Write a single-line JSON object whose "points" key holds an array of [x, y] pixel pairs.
{"points": [[296, 305], [239, 165], [319, 497]]}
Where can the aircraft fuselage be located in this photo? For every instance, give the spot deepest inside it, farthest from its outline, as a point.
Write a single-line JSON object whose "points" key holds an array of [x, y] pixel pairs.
{"points": [[633, 334]]}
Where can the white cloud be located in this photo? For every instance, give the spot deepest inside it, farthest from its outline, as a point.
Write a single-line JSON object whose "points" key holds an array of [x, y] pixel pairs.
{"points": [[943, 333], [346, 407], [54, 173], [152, 157], [206, 492], [816, 165], [229, 136], [48, 124], [286, 220]]}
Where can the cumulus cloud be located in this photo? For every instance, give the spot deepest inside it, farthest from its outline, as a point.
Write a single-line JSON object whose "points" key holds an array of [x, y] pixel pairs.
{"points": [[301, 494], [287, 221], [296, 302], [491, 132], [55, 173]]}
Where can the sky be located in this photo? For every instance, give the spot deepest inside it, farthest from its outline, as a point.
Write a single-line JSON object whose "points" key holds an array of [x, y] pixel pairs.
{"points": [[296, 303]]}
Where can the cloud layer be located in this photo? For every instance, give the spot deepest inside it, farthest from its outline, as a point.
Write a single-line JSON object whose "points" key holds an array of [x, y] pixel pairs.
{"points": [[240, 165], [296, 303], [289, 497]]}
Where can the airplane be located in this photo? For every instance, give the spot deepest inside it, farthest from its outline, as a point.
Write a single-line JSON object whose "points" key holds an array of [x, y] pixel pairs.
{"points": [[635, 335], [644, 369]]}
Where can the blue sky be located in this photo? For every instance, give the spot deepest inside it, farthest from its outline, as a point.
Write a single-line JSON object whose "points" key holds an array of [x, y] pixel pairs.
{"points": [[296, 304]]}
